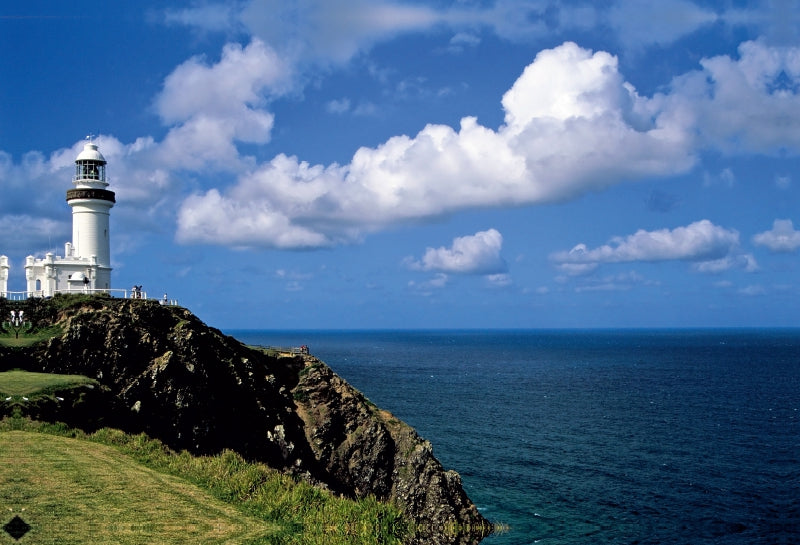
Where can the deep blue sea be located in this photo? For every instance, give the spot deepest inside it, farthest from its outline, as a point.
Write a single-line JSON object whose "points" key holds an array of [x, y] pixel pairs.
{"points": [[610, 436]]}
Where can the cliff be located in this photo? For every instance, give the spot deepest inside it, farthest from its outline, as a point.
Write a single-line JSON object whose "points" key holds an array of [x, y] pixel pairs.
{"points": [[163, 372]]}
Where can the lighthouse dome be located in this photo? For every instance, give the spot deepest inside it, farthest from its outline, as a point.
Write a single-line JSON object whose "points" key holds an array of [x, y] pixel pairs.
{"points": [[90, 153]]}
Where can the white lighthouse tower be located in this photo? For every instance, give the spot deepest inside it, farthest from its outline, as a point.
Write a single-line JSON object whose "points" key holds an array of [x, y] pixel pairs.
{"points": [[90, 202], [86, 265]]}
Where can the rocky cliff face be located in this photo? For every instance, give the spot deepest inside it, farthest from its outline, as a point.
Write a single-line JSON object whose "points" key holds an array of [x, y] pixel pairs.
{"points": [[372, 452], [173, 377]]}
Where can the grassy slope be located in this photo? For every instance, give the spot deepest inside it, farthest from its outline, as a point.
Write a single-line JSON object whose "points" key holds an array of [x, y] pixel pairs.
{"points": [[23, 383], [27, 337], [111, 487], [73, 491]]}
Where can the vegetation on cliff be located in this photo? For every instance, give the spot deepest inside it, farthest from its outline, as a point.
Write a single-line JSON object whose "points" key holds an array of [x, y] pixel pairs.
{"points": [[159, 370], [113, 487]]}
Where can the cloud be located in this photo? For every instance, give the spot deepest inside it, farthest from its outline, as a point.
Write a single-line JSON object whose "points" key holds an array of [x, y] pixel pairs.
{"points": [[754, 290], [343, 106], [577, 269], [473, 254], [572, 125], [640, 23], [339, 106], [209, 107], [294, 281], [38, 221], [620, 282], [700, 242], [327, 32], [745, 105], [333, 32], [426, 289], [726, 177], [778, 22], [500, 280], [716, 266], [465, 39], [365, 109], [660, 201], [462, 40], [210, 17], [246, 221], [283, 274], [238, 81], [782, 238], [24, 233]]}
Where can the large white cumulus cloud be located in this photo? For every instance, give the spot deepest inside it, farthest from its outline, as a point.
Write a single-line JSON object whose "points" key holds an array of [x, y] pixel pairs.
{"points": [[572, 125]]}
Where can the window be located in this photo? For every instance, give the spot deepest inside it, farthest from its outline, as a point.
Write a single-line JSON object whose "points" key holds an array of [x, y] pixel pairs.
{"points": [[90, 170]]}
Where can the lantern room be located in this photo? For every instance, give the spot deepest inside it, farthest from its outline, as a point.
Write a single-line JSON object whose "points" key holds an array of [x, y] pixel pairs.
{"points": [[90, 167]]}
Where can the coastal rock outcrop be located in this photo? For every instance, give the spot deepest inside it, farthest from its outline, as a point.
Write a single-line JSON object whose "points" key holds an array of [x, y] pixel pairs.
{"points": [[194, 388], [373, 453]]}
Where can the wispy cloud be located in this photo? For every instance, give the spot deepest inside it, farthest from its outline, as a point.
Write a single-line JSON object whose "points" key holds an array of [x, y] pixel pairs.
{"points": [[500, 280], [429, 287], [620, 282], [639, 24], [660, 201], [463, 40], [330, 32], [753, 290], [209, 17], [26, 233], [338, 106]]}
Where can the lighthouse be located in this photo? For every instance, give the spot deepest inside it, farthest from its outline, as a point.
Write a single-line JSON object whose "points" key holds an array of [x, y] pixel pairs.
{"points": [[91, 202], [86, 264]]}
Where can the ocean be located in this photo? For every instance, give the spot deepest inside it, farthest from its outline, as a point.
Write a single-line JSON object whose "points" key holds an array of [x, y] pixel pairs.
{"points": [[596, 436]]}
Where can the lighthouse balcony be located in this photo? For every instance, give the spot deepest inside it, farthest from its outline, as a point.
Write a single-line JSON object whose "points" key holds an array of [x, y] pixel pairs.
{"points": [[91, 193]]}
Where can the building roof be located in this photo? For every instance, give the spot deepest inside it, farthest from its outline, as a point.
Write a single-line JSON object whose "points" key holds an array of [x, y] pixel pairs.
{"points": [[90, 153]]}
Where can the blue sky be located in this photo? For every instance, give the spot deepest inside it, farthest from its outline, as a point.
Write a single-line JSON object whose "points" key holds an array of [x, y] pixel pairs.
{"points": [[410, 164]]}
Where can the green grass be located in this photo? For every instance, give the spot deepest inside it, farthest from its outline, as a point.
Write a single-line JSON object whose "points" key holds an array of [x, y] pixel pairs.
{"points": [[25, 383], [72, 491], [61, 301], [112, 487], [27, 337]]}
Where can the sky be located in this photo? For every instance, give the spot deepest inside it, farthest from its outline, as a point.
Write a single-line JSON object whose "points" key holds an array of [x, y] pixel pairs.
{"points": [[371, 164]]}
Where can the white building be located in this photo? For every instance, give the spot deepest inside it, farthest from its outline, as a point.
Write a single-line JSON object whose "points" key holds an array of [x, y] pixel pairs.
{"points": [[3, 275], [86, 263]]}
